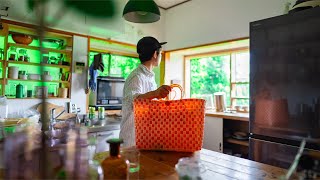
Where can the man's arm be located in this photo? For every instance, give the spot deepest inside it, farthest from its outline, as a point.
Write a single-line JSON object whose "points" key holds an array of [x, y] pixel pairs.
{"points": [[161, 92]]}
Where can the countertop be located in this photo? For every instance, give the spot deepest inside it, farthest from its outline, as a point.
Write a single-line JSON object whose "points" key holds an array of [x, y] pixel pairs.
{"points": [[161, 165], [233, 116], [108, 124]]}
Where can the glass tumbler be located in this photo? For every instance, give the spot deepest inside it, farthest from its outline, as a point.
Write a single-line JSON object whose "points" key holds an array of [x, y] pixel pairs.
{"points": [[133, 156]]}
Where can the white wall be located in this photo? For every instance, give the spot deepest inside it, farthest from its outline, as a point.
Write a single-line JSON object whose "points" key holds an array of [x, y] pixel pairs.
{"points": [[19, 106], [206, 21], [79, 81]]}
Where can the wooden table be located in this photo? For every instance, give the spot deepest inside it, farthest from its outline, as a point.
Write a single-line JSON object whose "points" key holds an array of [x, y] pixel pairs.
{"points": [[160, 165]]}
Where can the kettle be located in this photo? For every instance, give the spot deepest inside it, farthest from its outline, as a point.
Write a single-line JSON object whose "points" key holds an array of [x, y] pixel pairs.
{"points": [[19, 91]]}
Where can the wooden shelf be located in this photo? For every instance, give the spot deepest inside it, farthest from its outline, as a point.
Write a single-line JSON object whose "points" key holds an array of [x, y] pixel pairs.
{"points": [[231, 116], [38, 48], [30, 80], [240, 98], [38, 64], [38, 98], [239, 82], [234, 141]]}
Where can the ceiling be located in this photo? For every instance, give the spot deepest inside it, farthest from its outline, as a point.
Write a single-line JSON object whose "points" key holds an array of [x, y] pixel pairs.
{"points": [[167, 4]]}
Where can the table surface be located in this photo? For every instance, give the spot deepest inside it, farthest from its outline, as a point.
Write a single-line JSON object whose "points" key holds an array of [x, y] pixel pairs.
{"points": [[160, 165]]}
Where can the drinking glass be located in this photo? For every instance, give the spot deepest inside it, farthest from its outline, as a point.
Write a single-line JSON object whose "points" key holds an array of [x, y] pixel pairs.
{"points": [[133, 156]]}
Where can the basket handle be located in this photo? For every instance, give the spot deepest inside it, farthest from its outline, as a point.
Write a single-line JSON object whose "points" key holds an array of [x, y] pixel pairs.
{"points": [[175, 93]]}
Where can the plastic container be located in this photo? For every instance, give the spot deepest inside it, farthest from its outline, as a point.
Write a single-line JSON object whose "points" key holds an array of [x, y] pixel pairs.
{"points": [[63, 92]]}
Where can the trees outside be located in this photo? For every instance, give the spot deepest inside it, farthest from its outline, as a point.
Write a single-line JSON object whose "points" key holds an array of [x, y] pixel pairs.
{"points": [[210, 75], [120, 66]]}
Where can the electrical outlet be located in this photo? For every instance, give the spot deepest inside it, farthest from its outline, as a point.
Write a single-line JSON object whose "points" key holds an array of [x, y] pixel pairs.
{"points": [[73, 108]]}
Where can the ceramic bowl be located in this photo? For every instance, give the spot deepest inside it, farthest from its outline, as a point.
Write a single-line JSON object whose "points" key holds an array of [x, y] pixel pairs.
{"points": [[22, 39], [34, 76], [47, 77]]}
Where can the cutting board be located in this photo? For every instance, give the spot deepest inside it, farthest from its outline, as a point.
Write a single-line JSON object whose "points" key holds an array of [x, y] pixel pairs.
{"points": [[59, 109]]}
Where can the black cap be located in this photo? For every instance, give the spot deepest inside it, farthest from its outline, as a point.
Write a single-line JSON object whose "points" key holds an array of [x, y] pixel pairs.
{"points": [[148, 45]]}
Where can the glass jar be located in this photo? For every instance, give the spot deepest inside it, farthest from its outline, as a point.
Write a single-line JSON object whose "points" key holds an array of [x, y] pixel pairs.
{"points": [[45, 58], [12, 54], [22, 54]]}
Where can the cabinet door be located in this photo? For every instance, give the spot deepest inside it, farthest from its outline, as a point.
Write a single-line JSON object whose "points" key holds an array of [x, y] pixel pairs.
{"points": [[213, 134]]}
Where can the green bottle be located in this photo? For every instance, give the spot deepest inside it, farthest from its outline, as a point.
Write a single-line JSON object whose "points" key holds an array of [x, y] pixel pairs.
{"points": [[19, 91]]}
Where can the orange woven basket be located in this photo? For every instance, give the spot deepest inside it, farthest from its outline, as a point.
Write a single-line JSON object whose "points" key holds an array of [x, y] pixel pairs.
{"points": [[169, 125]]}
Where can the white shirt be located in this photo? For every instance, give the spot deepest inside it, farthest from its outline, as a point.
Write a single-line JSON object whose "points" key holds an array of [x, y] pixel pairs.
{"points": [[140, 81]]}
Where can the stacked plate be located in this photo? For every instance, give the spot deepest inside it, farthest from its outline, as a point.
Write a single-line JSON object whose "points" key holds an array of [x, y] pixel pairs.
{"points": [[240, 136]]}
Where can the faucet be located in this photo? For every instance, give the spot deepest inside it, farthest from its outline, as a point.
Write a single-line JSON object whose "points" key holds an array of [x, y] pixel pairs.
{"points": [[53, 118]]}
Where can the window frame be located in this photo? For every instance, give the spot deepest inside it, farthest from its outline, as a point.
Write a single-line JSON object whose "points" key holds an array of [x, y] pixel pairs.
{"points": [[230, 52]]}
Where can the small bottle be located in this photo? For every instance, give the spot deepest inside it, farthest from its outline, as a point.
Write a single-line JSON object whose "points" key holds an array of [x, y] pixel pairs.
{"points": [[19, 91], [101, 114], [92, 113], [115, 166]]}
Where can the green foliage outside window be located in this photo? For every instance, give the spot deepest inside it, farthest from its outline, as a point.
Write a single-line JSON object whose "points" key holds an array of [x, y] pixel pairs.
{"points": [[212, 74], [209, 75], [120, 66]]}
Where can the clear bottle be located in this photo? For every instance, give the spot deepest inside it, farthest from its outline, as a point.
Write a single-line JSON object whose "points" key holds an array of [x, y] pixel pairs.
{"points": [[101, 113], [12, 54], [92, 113], [115, 166]]}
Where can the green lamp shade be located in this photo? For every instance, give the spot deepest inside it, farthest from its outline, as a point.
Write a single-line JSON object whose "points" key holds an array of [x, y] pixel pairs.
{"points": [[141, 11]]}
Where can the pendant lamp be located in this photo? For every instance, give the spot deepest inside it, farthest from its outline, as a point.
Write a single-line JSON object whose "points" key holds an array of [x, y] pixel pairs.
{"points": [[141, 11]]}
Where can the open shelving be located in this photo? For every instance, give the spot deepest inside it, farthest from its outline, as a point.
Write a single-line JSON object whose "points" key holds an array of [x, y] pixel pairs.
{"points": [[34, 80], [36, 98], [234, 141], [38, 48], [38, 64], [56, 67]]}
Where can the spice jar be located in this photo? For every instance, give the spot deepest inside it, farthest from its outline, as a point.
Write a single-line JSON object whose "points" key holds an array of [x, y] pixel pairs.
{"points": [[12, 54], [22, 54]]}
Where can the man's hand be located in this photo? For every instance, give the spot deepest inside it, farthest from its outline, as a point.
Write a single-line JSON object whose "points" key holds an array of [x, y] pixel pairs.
{"points": [[162, 91]]}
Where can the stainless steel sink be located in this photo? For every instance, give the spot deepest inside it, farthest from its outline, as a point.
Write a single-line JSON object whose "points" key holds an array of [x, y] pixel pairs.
{"points": [[109, 124], [103, 126]]}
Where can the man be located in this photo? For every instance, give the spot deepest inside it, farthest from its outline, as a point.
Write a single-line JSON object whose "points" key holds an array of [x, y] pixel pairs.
{"points": [[141, 84]]}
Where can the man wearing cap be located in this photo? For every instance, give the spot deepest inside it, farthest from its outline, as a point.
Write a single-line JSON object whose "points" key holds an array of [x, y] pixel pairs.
{"points": [[141, 84]]}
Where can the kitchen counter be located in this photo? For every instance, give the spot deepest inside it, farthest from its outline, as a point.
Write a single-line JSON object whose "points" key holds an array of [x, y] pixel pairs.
{"points": [[160, 165], [109, 124], [233, 116]]}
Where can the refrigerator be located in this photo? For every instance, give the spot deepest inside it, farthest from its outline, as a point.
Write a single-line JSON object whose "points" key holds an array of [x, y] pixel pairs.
{"points": [[285, 87]]}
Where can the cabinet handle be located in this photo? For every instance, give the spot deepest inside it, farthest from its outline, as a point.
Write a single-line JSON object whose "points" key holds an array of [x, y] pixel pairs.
{"points": [[220, 147]]}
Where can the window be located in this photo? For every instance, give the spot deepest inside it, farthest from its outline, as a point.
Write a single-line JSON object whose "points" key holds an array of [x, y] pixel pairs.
{"points": [[227, 72], [116, 65]]}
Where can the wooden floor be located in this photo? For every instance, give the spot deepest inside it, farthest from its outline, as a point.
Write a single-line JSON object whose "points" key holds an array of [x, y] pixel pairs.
{"points": [[160, 165]]}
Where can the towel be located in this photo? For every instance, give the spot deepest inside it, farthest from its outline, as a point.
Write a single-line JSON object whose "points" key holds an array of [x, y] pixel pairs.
{"points": [[96, 65]]}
